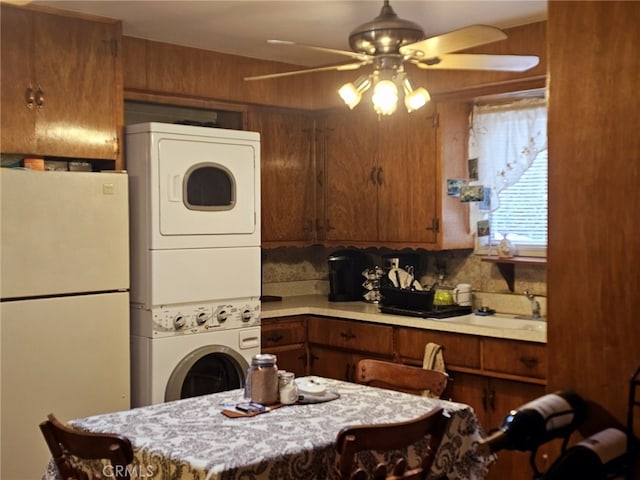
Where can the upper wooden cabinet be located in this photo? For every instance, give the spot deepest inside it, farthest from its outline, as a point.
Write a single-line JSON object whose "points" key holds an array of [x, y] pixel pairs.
{"points": [[61, 85], [288, 175], [385, 179]]}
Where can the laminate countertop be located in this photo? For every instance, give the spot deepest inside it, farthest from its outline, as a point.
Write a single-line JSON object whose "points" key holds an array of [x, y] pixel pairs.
{"points": [[499, 325]]}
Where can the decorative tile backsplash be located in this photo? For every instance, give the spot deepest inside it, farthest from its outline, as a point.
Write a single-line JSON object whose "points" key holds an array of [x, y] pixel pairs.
{"points": [[288, 271]]}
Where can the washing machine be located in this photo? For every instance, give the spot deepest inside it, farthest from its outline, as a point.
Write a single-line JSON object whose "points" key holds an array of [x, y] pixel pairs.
{"points": [[188, 350]]}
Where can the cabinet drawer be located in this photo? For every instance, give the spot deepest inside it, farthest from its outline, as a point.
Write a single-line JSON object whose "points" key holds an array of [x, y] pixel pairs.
{"points": [[459, 350], [513, 357], [359, 336], [277, 332]]}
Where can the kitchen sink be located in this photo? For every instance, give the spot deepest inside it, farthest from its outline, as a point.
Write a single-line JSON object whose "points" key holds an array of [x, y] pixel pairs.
{"points": [[511, 322]]}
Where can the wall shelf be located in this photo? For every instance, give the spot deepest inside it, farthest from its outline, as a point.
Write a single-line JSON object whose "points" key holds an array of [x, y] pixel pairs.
{"points": [[507, 266]]}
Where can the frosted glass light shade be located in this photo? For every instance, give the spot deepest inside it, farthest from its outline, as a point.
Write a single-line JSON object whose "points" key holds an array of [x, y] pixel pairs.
{"points": [[350, 94], [385, 97], [416, 99]]}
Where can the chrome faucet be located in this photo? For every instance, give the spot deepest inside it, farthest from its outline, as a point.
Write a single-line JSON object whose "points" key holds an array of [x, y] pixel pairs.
{"points": [[535, 305]]}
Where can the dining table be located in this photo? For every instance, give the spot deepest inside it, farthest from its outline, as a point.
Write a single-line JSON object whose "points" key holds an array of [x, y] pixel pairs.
{"points": [[206, 438]]}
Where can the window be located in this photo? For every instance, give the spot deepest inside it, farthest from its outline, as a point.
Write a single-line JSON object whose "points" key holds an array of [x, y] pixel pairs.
{"points": [[510, 144]]}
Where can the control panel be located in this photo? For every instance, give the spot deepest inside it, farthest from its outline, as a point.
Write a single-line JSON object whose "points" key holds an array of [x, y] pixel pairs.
{"points": [[194, 318]]}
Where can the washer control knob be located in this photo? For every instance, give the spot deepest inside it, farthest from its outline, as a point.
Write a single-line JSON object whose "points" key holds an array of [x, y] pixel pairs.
{"points": [[246, 315], [179, 321], [202, 318], [222, 316]]}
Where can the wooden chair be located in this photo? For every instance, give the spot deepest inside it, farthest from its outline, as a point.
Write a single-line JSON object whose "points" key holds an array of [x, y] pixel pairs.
{"points": [[64, 441], [404, 378], [391, 436]]}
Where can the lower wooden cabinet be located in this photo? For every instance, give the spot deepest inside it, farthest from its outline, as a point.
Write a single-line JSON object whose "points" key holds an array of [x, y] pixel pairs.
{"points": [[492, 399], [492, 375], [286, 338], [336, 346]]}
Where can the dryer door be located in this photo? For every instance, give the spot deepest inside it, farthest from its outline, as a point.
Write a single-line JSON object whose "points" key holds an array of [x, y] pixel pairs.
{"points": [[209, 369], [207, 187]]}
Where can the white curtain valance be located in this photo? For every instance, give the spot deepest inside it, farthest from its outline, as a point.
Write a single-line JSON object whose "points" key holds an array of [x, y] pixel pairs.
{"points": [[505, 139]]}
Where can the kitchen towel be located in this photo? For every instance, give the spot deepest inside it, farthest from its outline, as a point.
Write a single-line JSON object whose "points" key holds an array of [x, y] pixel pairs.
{"points": [[433, 360]]}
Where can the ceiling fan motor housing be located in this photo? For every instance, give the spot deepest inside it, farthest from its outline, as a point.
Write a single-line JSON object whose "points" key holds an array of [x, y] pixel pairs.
{"points": [[385, 34]]}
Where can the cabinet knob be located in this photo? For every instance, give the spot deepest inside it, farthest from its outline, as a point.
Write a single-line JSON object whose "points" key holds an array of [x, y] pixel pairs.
{"points": [[348, 335], [275, 337], [39, 98], [529, 362], [372, 176], [29, 97]]}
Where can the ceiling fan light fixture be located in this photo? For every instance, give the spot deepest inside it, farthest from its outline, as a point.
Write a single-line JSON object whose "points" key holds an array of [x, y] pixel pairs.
{"points": [[351, 92], [385, 97], [416, 99]]}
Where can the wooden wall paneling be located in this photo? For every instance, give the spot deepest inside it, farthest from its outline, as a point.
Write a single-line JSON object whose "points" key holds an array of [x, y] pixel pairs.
{"points": [[594, 167], [201, 73], [134, 63], [452, 146]]}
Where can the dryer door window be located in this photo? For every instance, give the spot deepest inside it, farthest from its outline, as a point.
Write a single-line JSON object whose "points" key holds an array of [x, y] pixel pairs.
{"points": [[209, 186]]}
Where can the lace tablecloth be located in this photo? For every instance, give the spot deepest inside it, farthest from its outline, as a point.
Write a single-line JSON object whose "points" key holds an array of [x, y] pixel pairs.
{"points": [[191, 439]]}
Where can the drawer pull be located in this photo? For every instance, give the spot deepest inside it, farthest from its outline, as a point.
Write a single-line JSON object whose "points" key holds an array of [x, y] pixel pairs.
{"points": [[348, 335], [485, 400], [529, 362], [275, 337], [492, 400]]}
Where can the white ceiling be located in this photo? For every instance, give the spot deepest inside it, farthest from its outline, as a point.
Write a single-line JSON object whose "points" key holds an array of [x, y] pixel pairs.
{"points": [[242, 27]]}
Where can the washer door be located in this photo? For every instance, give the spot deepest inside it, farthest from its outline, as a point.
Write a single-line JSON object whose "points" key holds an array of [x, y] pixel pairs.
{"points": [[209, 369]]}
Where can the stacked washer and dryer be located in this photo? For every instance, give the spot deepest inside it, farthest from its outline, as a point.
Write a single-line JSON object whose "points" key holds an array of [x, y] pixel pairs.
{"points": [[195, 259]]}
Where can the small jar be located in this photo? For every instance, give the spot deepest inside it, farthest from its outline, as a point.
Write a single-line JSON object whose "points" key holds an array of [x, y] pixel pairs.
{"points": [[262, 380], [287, 388]]}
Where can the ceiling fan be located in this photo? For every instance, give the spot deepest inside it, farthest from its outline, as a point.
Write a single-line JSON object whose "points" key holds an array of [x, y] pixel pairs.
{"points": [[387, 42]]}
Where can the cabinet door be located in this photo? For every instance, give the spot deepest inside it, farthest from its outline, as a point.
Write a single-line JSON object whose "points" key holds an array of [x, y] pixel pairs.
{"points": [[408, 179], [75, 65], [288, 175], [492, 399], [338, 364], [351, 174], [330, 363], [18, 118]]}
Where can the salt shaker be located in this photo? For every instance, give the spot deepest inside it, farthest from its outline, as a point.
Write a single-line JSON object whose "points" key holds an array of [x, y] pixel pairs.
{"points": [[287, 387]]}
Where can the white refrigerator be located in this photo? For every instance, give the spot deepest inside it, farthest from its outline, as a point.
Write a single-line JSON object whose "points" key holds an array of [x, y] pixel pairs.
{"points": [[64, 317]]}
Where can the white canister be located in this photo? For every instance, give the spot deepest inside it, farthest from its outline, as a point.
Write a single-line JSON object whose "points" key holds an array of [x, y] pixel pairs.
{"points": [[462, 294], [288, 391]]}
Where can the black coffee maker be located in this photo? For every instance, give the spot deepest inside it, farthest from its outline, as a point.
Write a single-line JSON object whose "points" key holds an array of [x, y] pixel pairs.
{"points": [[345, 275]]}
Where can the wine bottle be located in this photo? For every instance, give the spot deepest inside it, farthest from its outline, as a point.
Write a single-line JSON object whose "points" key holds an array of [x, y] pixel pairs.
{"points": [[597, 457], [545, 418]]}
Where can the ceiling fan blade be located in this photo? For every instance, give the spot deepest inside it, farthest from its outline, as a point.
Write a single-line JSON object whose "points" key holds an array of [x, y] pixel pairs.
{"points": [[464, 61], [454, 41], [358, 56], [339, 68]]}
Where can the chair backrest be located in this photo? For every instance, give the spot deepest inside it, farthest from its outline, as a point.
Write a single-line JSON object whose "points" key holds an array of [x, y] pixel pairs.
{"points": [[388, 437], [64, 441], [404, 378]]}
